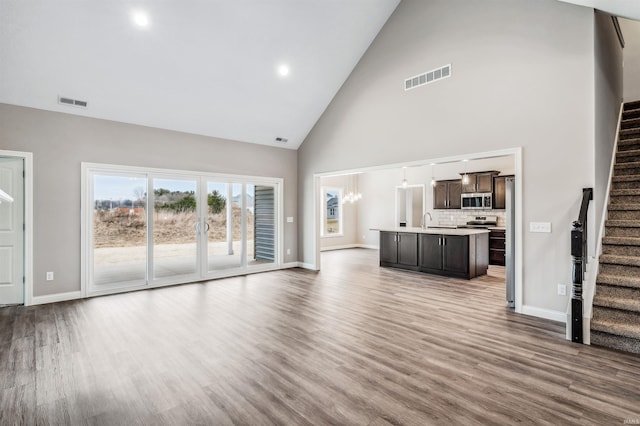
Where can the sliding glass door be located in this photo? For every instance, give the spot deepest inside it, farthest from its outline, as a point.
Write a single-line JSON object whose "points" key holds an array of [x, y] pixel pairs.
{"points": [[145, 228], [119, 230], [224, 226], [176, 227]]}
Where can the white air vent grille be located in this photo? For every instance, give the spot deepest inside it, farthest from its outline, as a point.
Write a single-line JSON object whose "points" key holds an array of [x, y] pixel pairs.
{"points": [[427, 77], [72, 102], [282, 140]]}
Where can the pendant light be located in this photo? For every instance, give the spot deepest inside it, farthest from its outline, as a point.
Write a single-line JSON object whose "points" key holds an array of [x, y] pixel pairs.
{"points": [[404, 180], [465, 177], [351, 193], [433, 179]]}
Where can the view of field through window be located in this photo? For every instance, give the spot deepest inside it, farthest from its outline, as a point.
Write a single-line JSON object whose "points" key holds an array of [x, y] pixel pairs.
{"points": [[120, 227]]}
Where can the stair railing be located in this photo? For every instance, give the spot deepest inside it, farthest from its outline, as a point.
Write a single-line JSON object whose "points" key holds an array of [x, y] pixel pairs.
{"points": [[579, 259]]}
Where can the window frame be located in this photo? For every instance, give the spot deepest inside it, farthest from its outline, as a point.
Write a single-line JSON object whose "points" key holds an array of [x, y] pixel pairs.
{"points": [[323, 211]]}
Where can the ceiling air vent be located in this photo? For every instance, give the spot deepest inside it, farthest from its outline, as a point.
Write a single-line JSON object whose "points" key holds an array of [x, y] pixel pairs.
{"points": [[427, 77], [73, 102], [282, 140]]}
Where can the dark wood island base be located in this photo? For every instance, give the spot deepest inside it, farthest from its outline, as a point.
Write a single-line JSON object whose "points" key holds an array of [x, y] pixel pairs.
{"points": [[460, 253]]}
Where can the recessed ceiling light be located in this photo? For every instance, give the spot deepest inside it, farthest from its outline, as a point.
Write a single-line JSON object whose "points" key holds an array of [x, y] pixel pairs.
{"points": [[140, 18], [283, 70]]}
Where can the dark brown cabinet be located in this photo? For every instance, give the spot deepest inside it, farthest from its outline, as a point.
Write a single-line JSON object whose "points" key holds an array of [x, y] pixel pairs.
{"points": [[399, 249], [479, 182], [446, 194], [463, 256], [497, 247]]}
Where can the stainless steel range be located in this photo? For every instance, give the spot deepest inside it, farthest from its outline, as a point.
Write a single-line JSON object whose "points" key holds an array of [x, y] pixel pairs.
{"points": [[482, 222]]}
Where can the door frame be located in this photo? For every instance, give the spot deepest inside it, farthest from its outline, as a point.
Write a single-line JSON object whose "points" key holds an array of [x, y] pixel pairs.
{"points": [[27, 158], [519, 231]]}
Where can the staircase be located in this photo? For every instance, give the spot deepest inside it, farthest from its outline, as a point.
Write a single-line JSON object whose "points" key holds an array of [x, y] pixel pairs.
{"points": [[616, 305]]}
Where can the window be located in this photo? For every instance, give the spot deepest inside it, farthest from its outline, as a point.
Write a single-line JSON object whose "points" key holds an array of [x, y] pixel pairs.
{"points": [[331, 212]]}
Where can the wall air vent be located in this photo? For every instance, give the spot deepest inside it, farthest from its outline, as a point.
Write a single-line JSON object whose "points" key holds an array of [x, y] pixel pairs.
{"points": [[282, 140], [427, 77], [72, 102]]}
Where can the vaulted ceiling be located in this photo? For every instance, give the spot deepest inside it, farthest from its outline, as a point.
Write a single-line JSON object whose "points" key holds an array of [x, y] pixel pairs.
{"points": [[210, 67]]}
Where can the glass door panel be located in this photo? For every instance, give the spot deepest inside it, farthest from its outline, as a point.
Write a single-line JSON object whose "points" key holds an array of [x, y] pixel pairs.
{"points": [[119, 230], [223, 218], [175, 227]]}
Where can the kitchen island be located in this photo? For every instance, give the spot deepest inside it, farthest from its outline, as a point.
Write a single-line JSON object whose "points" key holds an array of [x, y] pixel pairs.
{"points": [[453, 252]]}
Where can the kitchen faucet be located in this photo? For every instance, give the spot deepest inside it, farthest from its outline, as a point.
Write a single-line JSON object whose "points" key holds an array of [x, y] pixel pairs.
{"points": [[423, 222]]}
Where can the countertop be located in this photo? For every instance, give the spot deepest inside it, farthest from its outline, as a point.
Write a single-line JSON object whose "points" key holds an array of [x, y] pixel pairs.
{"points": [[439, 231], [498, 228]]}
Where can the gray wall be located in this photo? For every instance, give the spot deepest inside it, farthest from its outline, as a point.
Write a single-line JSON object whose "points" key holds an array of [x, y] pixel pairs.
{"points": [[60, 142], [522, 75], [608, 96], [631, 33]]}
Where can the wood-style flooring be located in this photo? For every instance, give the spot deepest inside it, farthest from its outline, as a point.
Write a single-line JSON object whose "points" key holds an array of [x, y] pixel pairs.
{"points": [[352, 345]]}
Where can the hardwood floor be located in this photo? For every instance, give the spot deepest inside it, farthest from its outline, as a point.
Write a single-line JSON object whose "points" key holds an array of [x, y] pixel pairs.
{"points": [[354, 344]]}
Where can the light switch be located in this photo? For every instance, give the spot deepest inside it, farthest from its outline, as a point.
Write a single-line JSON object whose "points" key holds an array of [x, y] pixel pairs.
{"points": [[289, 219], [540, 227]]}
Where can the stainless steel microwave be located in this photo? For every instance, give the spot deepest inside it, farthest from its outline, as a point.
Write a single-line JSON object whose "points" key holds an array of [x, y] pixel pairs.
{"points": [[481, 201]]}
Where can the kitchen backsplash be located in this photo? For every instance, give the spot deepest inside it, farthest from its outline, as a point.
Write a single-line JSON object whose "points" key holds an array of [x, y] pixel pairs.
{"points": [[461, 217]]}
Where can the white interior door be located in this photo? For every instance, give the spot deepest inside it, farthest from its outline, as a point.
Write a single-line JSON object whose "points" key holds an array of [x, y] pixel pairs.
{"points": [[12, 232]]}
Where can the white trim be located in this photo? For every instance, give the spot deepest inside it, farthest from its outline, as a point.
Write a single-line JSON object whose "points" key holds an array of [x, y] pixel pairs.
{"points": [[27, 157], [348, 246], [290, 265], [519, 231], [544, 313], [53, 298], [317, 224], [309, 266], [369, 246]]}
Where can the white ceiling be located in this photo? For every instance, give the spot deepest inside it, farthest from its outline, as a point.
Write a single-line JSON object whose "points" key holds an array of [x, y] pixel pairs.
{"points": [[623, 8], [202, 66]]}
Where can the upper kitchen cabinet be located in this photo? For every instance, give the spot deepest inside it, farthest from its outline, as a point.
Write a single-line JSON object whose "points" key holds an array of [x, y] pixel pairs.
{"points": [[446, 194], [479, 182], [499, 192]]}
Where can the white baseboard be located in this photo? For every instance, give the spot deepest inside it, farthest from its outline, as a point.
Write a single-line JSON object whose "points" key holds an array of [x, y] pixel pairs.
{"points": [[369, 246], [310, 266], [544, 313], [290, 265], [349, 246], [53, 298]]}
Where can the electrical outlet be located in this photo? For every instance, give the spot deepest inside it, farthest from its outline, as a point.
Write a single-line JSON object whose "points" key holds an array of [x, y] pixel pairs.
{"points": [[364, 237], [540, 227], [49, 276], [562, 290], [288, 251], [289, 219]]}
